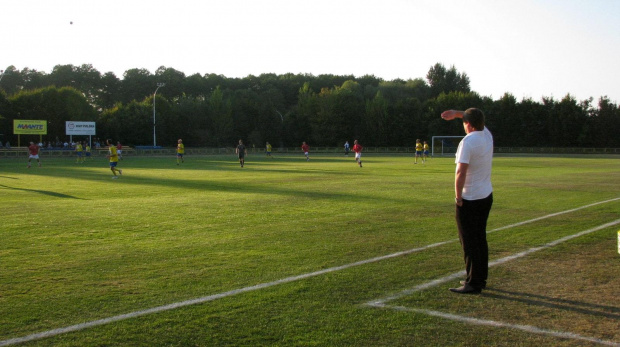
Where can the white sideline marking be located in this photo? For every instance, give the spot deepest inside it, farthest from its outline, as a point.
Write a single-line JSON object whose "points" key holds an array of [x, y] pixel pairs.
{"points": [[461, 274], [526, 328], [158, 309], [554, 215], [464, 319]]}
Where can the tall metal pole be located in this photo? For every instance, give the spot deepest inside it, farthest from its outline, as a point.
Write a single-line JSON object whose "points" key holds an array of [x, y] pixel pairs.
{"points": [[159, 85]]}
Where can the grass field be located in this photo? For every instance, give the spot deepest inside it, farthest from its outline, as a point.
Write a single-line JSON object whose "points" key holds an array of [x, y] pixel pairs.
{"points": [[286, 252]]}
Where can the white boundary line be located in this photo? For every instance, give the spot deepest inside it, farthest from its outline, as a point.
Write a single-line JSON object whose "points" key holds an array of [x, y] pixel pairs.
{"points": [[158, 309], [476, 321], [526, 328], [500, 261]]}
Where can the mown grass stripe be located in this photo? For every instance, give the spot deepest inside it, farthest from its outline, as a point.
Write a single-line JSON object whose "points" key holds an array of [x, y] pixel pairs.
{"points": [[86, 325]]}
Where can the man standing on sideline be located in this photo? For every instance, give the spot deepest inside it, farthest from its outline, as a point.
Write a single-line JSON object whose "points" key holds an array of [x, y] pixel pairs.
{"points": [[346, 148], [473, 196], [241, 153], [180, 151], [357, 148], [33, 151], [113, 156]]}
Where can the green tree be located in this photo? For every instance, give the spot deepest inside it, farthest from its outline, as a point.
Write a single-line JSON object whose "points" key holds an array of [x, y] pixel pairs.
{"points": [[221, 119], [442, 80], [604, 125], [532, 122], [137, 84], [376, 121], [109, 91], [565, 122], [339, 113], [55, 105], [188, 120], [297, 127], [174, 80]]}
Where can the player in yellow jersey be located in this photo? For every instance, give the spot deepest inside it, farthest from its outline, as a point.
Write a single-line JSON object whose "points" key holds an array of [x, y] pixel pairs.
{"points": [[180, 151], [113, 156], [418, 150], [268, 149], [79, 150], [425, 153], [87, 151]]}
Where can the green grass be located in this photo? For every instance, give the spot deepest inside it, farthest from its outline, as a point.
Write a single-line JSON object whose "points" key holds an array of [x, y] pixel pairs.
{"points": [[78, 246]]}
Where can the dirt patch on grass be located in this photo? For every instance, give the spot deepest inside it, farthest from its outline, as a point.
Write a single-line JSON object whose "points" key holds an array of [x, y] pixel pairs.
{"points": [[572, 288]]}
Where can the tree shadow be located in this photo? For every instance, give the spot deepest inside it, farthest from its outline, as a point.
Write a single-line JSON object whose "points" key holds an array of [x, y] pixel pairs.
{"points": [[9, 177], [44, 192], [612, 312]]}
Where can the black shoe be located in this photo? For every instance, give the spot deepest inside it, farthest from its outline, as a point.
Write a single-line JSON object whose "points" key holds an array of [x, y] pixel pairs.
{"points": [[466, 289], [482, 286]]}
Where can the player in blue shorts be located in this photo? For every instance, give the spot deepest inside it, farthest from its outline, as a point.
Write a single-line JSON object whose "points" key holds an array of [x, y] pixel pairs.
{"points": [[418, 150], [87, 151]]}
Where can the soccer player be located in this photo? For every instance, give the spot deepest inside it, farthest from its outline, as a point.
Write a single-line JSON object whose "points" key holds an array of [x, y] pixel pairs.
{"points": [[79, 150], [425, 156], [180, 151], [357, 148], [119, 150], [306, 149], [268, 149], [87, 151], [346, 148], [418, 150], [113, 156], [33, 151], [241, 153]]}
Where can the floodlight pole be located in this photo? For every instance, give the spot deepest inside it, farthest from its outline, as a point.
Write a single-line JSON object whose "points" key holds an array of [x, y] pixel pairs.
{"points": [[159, 85]]}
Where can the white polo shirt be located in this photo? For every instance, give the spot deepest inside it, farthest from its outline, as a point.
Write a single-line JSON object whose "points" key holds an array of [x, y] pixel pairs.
{"points": [[476, 149]]}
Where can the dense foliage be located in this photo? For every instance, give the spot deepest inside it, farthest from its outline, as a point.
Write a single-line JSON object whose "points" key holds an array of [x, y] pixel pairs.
{"points": [[324, 110]]}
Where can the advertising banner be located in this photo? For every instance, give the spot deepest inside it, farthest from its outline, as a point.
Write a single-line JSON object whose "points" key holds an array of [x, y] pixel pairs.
{"points": [[29, 127], [80, 128]]}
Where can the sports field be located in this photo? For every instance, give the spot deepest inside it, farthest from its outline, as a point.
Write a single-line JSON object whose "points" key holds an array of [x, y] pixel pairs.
{"points": [[285, 252]]}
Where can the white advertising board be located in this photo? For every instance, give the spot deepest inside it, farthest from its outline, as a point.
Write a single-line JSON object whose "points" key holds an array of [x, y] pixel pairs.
{"points": [[80, 128]]}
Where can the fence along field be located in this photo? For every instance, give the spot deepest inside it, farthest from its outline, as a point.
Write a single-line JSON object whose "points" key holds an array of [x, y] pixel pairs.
{"points": [[288, 252]]}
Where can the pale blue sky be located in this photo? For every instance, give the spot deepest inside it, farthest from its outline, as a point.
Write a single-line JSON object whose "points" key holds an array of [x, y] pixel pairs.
{"points": [[528, 48]]}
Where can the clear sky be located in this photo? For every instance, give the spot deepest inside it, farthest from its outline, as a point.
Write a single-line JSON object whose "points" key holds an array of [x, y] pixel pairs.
{"points": [[528, 48]]}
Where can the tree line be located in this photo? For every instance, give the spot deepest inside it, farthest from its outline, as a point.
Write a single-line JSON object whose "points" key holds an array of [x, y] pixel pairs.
{"points": [[323, 110]]}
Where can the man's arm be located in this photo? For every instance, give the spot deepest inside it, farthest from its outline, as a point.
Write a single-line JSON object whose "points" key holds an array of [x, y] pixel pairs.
{"points": [[459, 182], [452, 114]]}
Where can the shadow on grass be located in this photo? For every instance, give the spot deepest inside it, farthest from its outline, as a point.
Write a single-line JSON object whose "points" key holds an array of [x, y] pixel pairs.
{"points": [[228, 166], [611, 312], [9, 177], [44, 192]]}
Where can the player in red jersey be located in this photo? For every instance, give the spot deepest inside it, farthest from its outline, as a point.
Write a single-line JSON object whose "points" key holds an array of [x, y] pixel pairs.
{"points": [[119, 150], [33, 151], [306, 149], [357, 148]]}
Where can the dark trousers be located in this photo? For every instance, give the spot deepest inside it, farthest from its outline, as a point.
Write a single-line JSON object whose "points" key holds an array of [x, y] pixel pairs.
{"points": [[471, 220]]}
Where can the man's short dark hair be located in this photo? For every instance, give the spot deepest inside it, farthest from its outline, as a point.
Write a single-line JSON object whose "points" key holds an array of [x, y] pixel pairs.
{"points": [[474, 117]]}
